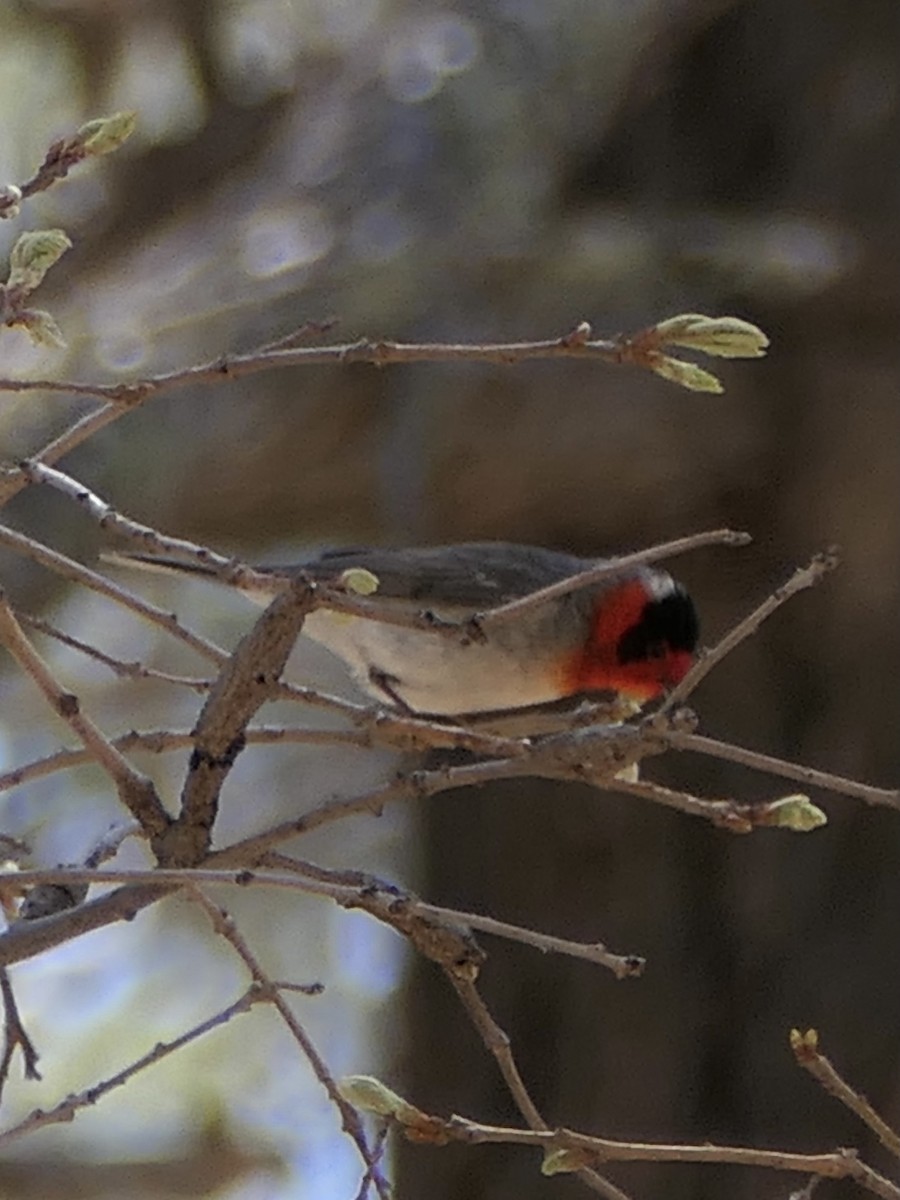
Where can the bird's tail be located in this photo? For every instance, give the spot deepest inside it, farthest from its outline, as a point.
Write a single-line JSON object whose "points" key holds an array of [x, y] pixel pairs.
{"points": [[259, 585]]}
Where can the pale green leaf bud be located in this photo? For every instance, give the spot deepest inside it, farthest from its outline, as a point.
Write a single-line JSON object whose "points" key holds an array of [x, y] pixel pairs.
{"points": [[686, 374], [563, 1161], [41, 328], [33, 255], [797, 813], [723, 337], [359, 581], [106, 134], [369, 1094]]}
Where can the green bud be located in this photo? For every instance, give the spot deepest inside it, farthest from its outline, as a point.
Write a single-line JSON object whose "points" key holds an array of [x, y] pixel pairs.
{"points": [[804, 1043], [630, 774], [106, 134], [33, 255], [723, 337], [797, 813], [359, 580], [685, 374], [369, 1094], [40, 327], [564, 1161]]}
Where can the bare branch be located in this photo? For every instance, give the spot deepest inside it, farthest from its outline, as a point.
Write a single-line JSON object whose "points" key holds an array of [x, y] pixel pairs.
{"points": [[515, 608], [417, 785], [806, 1051], [97, 137], [803, 577], [224, 925], [498, 1043], [109, 519], [69, 569], [640, 349], [352, 890], [623, 966], [136, 791], [14, 1034], [378, 726], [160, 741], [237, 574], [839, 1164], [724, 814], [577, 344], [244, 684], [567, 1151], [809, 776], [397, 907], [66, 1110], [13, 480], [124, 670], [26, 939]]}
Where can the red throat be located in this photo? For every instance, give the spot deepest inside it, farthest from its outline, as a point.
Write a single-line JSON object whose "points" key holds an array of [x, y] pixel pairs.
{"points": [[596, 666]]}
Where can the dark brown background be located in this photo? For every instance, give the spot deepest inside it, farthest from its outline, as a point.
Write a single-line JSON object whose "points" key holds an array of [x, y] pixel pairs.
{"points": [[568, 161]]}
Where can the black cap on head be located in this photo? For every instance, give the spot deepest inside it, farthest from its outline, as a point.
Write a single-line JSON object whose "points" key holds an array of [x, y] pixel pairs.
{"points": [[667, 623]]}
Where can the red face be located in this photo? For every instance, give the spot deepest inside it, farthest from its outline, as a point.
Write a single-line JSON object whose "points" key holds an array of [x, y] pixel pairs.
{"points": [[640, 644]]}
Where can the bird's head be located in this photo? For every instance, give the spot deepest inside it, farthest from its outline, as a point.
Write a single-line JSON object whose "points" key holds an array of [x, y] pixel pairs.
{"points": [[643, 632]]}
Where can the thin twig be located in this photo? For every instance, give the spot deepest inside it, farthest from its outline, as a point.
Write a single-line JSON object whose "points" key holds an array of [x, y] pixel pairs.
{"points": [[595, 756], [160, 741], [148, 538], [76, 573], [305, 989], [838, 1164], [14, 1034], [302, 333], [66, 1110], [378, 1150], [623, 966], [350, 889], [136, 791], [515, 608], [377, 353], [244, 684], [62, 155], [26, 939], [377, 725], [803, 577], [13, 481], [121, 397], [355, 889], [124, 670], [567, 1151], [806, 1051], [418, 785], [246, 578], [498, 1043], [724, 814], [809, 776], [224, 925]]}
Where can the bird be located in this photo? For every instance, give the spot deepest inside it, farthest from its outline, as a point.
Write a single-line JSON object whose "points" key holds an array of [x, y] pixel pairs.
{"points": [[631, 635]]}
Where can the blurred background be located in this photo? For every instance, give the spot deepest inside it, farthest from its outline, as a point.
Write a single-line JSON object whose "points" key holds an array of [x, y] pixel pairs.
{"points": [[477, 172]]}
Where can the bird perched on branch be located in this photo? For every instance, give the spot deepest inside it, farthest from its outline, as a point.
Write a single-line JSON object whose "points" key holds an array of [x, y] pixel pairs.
{"points": [[631, 633]]}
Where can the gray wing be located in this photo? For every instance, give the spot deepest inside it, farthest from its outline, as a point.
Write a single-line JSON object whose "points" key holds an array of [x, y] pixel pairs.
{"points": [[473, 575]]}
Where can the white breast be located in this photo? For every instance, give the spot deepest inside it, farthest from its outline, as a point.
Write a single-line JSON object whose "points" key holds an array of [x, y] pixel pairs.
{"points": [[434, 673]]}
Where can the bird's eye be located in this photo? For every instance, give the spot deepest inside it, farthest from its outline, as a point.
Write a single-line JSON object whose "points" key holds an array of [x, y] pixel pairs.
{"points": [[656, 650]]}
